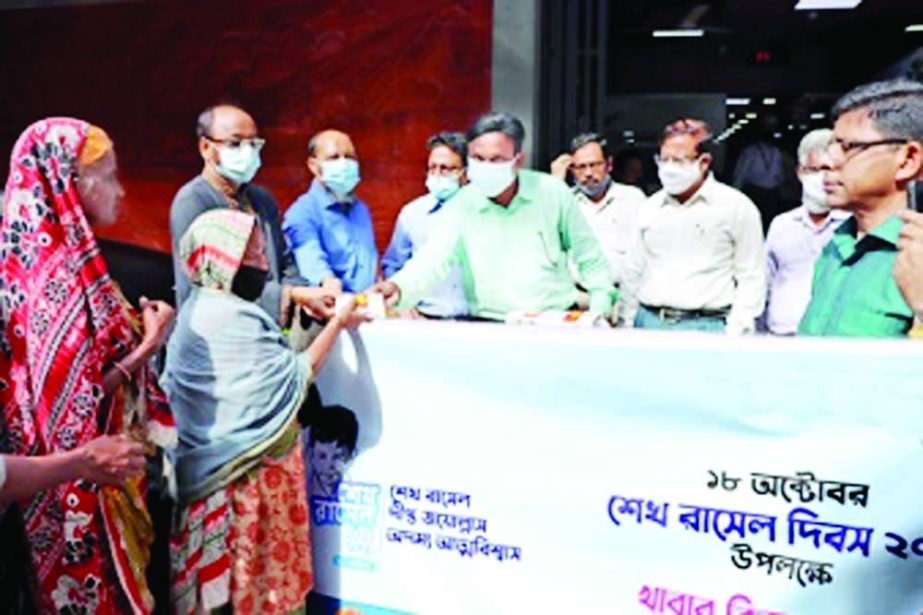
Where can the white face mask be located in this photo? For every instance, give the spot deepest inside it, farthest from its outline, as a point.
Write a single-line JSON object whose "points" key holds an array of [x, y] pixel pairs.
{"points": [[238, 164], [491, 178], [443, 187], [677, 177], [812, 193], [341, 175]]}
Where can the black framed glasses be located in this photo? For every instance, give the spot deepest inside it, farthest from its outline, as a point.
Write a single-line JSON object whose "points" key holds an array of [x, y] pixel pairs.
{"points": [[256, 142], [848, 149]]}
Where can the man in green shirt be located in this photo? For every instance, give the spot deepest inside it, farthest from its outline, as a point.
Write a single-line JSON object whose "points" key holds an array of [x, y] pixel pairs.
{"points": [[511, 231], [877, 150]]}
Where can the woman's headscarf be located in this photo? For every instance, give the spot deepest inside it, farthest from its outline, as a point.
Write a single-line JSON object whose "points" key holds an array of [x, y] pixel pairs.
{"points": [[62, 322], [213, 247], [234, 383]]}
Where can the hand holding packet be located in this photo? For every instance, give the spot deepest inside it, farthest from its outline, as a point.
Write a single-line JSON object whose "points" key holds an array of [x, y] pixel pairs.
{"points": [[369, 305]]}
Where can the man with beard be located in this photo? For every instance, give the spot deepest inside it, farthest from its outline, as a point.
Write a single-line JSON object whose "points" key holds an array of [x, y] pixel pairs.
{"points": [[610, 208]]}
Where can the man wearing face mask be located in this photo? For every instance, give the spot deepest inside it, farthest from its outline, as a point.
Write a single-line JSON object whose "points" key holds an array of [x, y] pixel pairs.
{"points": [[697, 261], [445, 175], [230, 148], [329, 227], [610, 208], [511, 231], [796, 238]]}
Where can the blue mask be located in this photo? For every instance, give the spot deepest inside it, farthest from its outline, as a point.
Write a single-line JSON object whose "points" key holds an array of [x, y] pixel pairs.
{"points": [[341, 176], [443, 187], [238, 164]]}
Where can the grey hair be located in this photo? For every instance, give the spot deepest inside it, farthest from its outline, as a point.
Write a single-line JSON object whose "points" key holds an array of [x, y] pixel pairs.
{"points": [[816, 140], [455, 141], [590, 137], [498, 121], [895, 107]]}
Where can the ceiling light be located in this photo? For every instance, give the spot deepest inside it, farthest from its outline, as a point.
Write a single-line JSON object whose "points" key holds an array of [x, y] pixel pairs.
{"points": [[751, 116], [769, 101], [628, 133], [917, 27], [738, 101], [825, 5], [679, 33], [817, 116], [743, 121]]}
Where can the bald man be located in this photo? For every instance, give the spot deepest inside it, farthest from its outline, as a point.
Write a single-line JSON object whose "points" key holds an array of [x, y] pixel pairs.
{"points": [[328, 228], [229, 145]]}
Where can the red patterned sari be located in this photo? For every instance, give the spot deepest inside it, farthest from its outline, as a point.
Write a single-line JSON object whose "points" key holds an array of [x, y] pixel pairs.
{"points": [[63, 322]]}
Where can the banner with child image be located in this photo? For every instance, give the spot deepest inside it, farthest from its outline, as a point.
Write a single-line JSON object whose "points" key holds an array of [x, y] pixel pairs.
{"points": [[479, 468]]}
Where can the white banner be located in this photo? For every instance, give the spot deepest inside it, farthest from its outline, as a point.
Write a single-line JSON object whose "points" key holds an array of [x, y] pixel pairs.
{"points": [[504, 469]]}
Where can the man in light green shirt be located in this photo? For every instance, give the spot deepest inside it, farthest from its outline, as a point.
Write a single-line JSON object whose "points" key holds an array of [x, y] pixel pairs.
{"points": [[511, 231]]}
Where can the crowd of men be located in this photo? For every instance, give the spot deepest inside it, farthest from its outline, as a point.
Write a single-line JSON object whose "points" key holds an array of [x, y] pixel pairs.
{"points": [[490, 237]]}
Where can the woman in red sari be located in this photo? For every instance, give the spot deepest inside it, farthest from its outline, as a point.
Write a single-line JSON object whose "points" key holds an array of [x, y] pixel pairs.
{"points": [[74, 366]]}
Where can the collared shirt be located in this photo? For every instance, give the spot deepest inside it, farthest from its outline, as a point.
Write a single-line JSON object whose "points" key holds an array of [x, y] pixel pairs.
{"points": [[515, 257], [854, 292], [792, 246], [706, 253], [613, 220], [411, 232], [197, 197], [332, 239]]}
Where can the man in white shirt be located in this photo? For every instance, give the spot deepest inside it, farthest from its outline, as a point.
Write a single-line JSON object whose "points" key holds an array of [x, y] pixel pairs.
{"points": [[697, 261], [796, 238], [610, 208]]}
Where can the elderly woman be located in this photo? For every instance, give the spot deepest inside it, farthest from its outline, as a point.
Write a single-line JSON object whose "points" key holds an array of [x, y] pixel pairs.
{"points": [[74, 367], [240, 538]]}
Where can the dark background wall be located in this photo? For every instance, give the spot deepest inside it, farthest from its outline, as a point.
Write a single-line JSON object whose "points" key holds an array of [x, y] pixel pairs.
{"points": [[390, 73]]}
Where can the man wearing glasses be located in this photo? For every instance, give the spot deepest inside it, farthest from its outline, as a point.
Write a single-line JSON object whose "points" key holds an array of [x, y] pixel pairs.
{"points": [[877, 149], [512, 231], [796, 237], [230, 148], [610, 208], [329, 228], [445, 175], [697, 261]]}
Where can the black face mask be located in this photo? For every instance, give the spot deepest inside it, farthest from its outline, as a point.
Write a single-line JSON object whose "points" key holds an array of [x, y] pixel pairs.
{"points": [[249, 283]]}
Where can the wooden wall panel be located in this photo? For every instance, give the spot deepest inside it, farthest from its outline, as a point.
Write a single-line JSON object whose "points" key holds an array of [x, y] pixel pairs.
{"points": [[388, 72]]}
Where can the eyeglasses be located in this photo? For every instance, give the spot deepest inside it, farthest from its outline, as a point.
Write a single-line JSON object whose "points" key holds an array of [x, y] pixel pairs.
{"points": [[683, 161], [585, 166], [849, 149], [442, 169], [256, 143]]}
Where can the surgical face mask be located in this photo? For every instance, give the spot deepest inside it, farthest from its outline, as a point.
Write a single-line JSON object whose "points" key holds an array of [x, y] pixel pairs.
{"points": [[812, 193], [443, 187], [238, 164], [491, 178], [677, 177], [596, 189], [249, 282], [341, 176]]}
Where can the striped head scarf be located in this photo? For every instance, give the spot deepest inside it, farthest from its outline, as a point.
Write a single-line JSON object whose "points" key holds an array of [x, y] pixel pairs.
{"points": [[213, 247]]}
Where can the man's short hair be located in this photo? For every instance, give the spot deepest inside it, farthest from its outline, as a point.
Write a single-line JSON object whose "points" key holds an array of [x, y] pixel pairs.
{"points": [[895, 107], [335, 424], [455, 141], [590, 137], [498, 121], [815, 141], [698, 129]]}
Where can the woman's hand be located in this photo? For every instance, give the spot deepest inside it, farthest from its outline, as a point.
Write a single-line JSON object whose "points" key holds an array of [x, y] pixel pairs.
{"points": [[317, 301], [109, 460], [157, 318]]}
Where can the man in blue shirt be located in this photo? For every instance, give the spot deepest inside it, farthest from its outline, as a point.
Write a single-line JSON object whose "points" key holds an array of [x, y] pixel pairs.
{"points": [[445, 174], [328, 228]]}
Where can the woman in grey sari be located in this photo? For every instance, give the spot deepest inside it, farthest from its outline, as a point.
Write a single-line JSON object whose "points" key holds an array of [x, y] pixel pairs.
{"points": [[240, 539]]}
